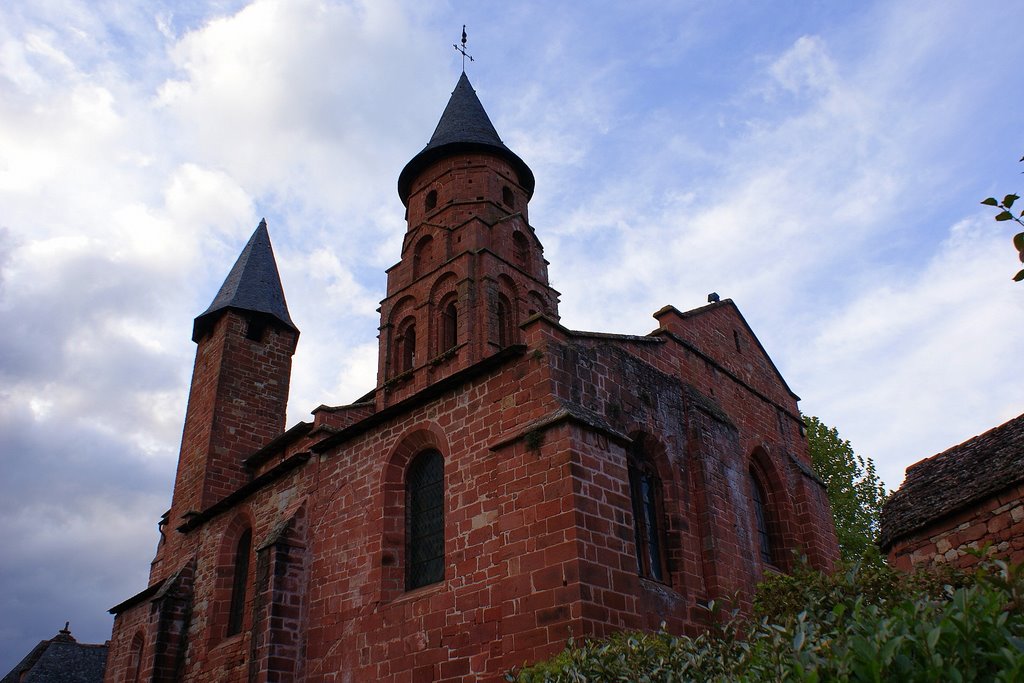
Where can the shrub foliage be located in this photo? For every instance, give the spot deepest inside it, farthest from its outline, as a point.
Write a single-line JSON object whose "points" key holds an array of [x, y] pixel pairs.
{"points": [[867, 623]]}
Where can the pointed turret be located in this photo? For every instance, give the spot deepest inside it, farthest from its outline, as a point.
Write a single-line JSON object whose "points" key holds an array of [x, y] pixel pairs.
{"points": [[239, 394], [472, 268], [253, 286], [464, 128]]}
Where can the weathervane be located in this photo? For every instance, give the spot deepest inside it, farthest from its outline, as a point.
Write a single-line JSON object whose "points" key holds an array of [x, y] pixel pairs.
{"points": [[462, 50]]}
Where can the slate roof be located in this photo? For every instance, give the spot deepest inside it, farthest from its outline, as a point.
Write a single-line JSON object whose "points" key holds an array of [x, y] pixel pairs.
{"points": [[464, 127], [954, 479], [252, 285], [61, 659]]}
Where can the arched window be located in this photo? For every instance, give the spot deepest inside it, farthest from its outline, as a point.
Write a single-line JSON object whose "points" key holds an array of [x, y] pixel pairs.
{"points": [[240, 580], [449, 326], [422, 256], [132, 675], [424, 520], [521, 249], [405, 347], [502, 321], [431, 200], [645, 494], [507, 198], [765, 542]]}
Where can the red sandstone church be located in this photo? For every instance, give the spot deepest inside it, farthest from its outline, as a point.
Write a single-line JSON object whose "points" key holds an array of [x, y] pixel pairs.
{"points": [[507, 484]]}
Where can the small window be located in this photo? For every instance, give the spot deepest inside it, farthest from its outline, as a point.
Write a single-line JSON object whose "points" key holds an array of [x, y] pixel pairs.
{"points": [[255, 327], [236, 612], [645, 494], [424, 520], [507, 198], [765, 546], [431, 200], [449, 327]]}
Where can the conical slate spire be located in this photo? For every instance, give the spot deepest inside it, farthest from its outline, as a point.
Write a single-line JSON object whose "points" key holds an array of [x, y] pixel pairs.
{"points": [[464, 120], [252, 285], [464, 127]]}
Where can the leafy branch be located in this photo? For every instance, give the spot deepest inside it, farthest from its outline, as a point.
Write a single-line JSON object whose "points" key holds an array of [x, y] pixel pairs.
{"points": [[1006, 214]]}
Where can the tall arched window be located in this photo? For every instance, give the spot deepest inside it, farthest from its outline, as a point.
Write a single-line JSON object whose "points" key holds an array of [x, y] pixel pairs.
{"points": [[405, 346], [521, 248], [240, 580], [431, 200], [762, 530], [449, 326], [645, 494], [503, 320], [132, 675], [422, 256], [424, 520]]}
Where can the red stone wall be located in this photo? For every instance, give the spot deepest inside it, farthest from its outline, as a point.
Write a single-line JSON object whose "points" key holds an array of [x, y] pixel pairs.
{"points": [[998, 520], [237, 404]]}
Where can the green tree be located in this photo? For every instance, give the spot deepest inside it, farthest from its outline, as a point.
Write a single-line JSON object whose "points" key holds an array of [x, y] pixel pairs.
{"points": [[854, 489], [1006, 214]]}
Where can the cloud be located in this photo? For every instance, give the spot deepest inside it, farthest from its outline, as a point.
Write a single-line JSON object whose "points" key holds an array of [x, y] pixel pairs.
{"points": [[805, 68], [937, 345]]}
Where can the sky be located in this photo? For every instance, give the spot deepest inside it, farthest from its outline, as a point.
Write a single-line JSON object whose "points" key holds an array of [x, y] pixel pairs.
{"points": [[819, 162]]}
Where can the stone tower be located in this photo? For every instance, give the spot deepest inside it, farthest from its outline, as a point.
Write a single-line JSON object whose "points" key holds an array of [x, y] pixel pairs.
{"points": [[239, 393], [472, 268]]}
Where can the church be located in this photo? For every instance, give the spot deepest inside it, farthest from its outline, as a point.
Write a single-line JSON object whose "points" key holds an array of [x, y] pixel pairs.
{"points": [[507, 484]]}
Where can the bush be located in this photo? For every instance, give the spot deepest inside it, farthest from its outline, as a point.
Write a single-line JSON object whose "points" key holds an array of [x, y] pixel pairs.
{"points": [[866, 623]]}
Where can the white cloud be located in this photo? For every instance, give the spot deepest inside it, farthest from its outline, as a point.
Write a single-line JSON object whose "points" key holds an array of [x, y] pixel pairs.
{"points": [[936, 347], [806, 66]]}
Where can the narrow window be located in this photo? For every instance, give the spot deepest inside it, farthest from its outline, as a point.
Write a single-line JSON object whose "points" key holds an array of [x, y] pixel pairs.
{"points": [[407, 344], [449, 327], [431, 200], [135, 659], [424, 520], [764, 539], [521, 249], [237, 609], [501, 315], [645, 493], [423, 256], [507, 198], [736, 341]]}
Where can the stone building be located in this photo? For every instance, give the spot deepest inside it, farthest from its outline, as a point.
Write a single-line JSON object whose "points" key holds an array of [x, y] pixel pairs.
{"points": [[962, 498], [507, 483]]}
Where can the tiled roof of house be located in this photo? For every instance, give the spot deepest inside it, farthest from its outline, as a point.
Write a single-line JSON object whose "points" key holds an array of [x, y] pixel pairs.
{"points": [[62, 659], [954, 479]]}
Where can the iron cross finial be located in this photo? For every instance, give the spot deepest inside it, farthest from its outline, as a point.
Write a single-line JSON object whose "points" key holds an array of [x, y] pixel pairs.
{"points": [[462, 50]]}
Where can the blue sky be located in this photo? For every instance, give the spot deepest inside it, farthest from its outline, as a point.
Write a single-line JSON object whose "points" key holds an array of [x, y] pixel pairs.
{"points": [[821, 163]]}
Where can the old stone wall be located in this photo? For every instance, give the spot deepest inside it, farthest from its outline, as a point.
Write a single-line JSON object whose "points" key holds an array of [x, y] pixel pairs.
{"points": [[998, 521]]}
